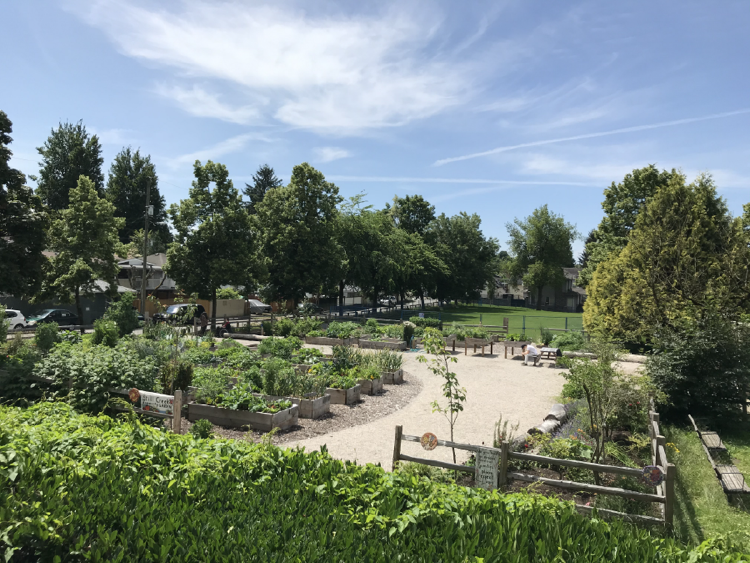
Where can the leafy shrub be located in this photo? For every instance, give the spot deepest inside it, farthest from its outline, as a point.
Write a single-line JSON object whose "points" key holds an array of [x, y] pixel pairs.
{"points": [[315, 333], [4, 324], [212, 381], [93, 371], [278, 377], [371, 327], [546, 336], [703, 368], [364, 372], [200, 356], [256, 502], [228, 293], [280, 347], [430, 322], [569, 341], [346, 357], [305, 326], [307, 356], [177, 374], [202, 429], [123, 314], [17, 365], [267, 327], [241, 398], [342, 330], [283, 327], [46, 336], [70, 336], [408, 331], [105, 332]]}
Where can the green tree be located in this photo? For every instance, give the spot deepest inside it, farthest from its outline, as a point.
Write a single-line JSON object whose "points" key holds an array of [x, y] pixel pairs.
{"points": [[68, 154], [129, 176], [621, 205], [469, 257], [217, 241], [263, 180], [685, 258], [416, 266], [298, 222], [84, 238], [541, 248], [411, 213], [23, 225]]}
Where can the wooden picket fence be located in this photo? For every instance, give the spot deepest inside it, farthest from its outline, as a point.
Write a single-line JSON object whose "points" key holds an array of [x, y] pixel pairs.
{"points": [[491, 471]]}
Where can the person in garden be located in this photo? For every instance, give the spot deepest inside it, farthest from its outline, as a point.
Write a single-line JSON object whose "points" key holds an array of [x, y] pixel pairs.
{"points": [[204, 322], [530, 352]]}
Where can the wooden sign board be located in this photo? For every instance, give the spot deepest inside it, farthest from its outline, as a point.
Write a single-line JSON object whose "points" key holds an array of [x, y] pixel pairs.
{"points": [[485, 474]]}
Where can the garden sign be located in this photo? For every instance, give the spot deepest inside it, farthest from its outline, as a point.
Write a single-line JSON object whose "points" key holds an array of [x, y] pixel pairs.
{"points": [[487, 460]]}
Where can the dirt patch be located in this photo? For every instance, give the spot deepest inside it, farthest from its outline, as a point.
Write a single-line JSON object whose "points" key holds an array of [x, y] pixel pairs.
{"points": [[370, 408]]}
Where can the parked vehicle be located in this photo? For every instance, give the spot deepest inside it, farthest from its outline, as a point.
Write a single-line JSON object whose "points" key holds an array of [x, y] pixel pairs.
{"points": [[15, 318], [308, 308], [59, 316], [388, 301], [258, 307], [180, 313]]}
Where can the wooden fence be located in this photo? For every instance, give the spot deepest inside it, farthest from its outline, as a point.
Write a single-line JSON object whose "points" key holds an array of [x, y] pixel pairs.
{"points": [[491, 471]]}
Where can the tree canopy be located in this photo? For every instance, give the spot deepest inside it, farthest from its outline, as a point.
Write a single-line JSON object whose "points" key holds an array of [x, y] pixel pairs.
{"points": [[685, 258], [263, 180], [23, 225], [67, 154], [129, 176], [84, 238], [541, 246], [621, 205], [411, 213], [216, 242], [298, 222]]}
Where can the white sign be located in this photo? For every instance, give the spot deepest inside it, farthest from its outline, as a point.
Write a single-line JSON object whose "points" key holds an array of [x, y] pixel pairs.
{"points": [[487, 461], [156, 402]]}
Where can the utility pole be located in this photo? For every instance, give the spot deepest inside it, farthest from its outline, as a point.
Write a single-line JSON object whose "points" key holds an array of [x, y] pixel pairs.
{"points": [[145, 248]]}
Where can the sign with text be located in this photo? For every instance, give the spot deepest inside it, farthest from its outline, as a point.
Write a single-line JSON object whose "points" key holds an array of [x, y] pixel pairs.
{"points": [[156, 402], [487, 461]]}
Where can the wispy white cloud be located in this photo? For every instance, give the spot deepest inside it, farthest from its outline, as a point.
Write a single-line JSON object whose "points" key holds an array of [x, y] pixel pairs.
{"points": [[335, 73], [329, 154], [228, 146], [634, 129], [197, 101], [114, 136], [412, 180]]}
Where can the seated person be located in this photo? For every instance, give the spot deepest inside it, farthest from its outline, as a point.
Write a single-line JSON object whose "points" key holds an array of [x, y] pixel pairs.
{"points": [[530, 352]]}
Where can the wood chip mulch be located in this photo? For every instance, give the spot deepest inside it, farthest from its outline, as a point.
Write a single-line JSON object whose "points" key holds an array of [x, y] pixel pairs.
{"points": [[393, 398]]}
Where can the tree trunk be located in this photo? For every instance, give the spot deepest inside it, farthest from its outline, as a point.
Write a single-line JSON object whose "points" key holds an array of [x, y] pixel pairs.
{"points": [[402, 295], [421, 298], [539, 298], [213, 311], [341, 298], [79, 309]]}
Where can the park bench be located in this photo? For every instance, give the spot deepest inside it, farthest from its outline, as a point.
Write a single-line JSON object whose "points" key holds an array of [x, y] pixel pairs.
{"points": [[731, 478], [549, 353]]}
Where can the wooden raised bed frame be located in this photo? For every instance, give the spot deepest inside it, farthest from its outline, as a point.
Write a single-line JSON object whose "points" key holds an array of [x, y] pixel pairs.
{"points": [[382, 344], [255, 420], [393, 377], [325, 341], [372, 386], [345, 396]]}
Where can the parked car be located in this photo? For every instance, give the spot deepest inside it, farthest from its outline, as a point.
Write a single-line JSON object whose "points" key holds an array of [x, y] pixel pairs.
{"points": [[180, 313], [307, 308], [258, 307], [388, 301], [15, 318], [59, 316]]}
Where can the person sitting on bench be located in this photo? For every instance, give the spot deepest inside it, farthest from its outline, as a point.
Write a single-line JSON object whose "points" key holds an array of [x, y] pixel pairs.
{"points": [[530, 352]]}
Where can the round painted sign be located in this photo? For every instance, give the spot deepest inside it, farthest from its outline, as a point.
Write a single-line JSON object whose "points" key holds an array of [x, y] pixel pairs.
{"points": [[429, 441], [134, 395], [652, 475]]}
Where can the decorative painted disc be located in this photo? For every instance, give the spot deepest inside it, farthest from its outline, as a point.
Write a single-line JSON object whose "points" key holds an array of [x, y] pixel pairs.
{"points": [[134, 395], [652, 475], [429, 441]]}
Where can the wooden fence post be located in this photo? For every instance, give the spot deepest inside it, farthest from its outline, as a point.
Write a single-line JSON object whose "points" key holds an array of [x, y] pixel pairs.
{"points": [[502, 478], [669, 493], [397, 447], [661, 441], [177, 412]]}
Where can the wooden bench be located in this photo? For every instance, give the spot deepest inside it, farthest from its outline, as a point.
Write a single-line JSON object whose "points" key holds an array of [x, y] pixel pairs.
{"points": [[549, 353], [731, 478]]}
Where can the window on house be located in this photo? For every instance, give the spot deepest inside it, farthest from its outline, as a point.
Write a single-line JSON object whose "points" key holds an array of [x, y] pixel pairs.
{"points": [[546, 301], [569, 285]]}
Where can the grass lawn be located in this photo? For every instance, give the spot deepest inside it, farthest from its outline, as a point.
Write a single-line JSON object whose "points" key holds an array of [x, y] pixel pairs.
{"points": [[702, 509], [493, 315]]}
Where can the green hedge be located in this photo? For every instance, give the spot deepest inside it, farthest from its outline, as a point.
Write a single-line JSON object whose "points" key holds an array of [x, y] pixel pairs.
{"points": [[83, 488]]}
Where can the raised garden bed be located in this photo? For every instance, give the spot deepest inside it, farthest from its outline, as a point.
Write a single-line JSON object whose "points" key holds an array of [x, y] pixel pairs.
{"points": [[385, 344], [371, 386], [393, 377], [345, 396], [255, 420], [325, 341], [308, 408]]}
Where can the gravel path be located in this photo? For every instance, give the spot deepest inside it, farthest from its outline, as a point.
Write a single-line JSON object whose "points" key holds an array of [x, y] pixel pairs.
{"points": [[494, 386]]}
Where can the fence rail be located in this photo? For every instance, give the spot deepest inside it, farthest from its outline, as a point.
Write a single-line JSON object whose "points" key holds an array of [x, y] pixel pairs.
{"points": [[491, 470]]}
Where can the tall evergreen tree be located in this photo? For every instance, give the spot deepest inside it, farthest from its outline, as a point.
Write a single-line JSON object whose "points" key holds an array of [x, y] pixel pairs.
{"points": [[68, 154], [23, 225], [263, 180], [129, 176]]}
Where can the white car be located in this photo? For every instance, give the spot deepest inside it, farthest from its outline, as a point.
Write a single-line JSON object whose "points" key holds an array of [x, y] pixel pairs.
{"points": [[15, 318], [258, 307]]}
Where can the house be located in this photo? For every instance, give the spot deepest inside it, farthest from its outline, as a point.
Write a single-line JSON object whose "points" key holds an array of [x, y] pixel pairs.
{"points": [[568, 297], [157, 282]]}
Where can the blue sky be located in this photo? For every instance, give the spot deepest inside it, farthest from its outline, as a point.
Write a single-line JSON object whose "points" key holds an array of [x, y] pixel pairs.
{"points": [[487, 107]]}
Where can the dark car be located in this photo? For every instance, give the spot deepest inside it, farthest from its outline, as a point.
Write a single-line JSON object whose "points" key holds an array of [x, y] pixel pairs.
{"points": [[180, 313], [59, 316]]}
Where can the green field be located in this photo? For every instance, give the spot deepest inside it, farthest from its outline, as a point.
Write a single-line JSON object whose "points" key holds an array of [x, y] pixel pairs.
{"points": [[518, 317]]}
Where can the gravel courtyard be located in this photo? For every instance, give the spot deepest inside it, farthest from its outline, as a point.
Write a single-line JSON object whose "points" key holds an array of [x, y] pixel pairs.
{"points": [[494, 385]]}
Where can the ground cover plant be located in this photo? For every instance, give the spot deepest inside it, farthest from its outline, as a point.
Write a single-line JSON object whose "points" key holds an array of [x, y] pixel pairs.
{"points": [[91, 488]]}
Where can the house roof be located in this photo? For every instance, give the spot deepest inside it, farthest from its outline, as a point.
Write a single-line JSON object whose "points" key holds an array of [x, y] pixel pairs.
{"points": [[571, 273], [103, 287]]}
